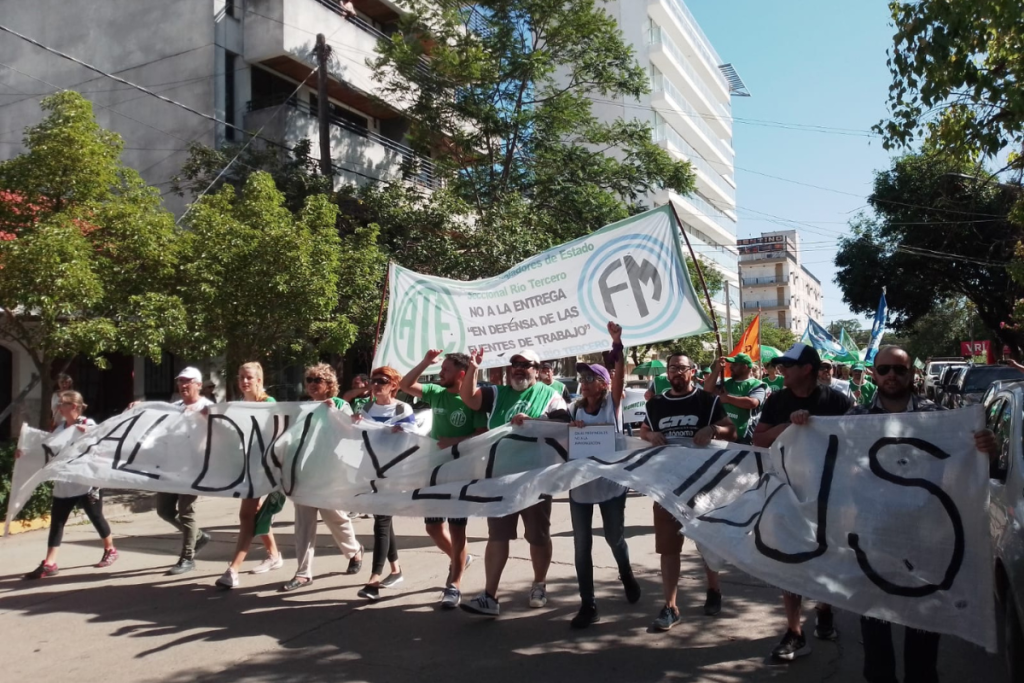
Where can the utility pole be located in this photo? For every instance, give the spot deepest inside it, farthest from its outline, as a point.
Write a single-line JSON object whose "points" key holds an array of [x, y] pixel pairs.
{"points": [[323, 109], [728, 316]]}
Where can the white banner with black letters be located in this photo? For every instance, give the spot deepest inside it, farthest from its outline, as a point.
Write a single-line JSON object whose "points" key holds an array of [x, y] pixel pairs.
{"points": [[879, 515]]}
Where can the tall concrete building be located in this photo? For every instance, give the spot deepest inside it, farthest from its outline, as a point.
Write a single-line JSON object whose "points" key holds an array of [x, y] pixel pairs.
{"points": [[775, 281], [240, 61], [690, 111]]}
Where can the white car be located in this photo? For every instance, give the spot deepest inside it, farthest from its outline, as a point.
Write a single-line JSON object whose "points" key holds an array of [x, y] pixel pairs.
{"points": [[932, 373]]}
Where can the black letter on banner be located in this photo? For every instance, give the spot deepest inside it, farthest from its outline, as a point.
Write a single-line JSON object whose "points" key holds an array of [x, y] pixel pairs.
{"points": [[135, 452], [206, 457], [268, 452], [648, 451], [698, 473], [119, 440], [823, 493], [463, 495], [706, 517], [298, 452], [48, 454], [376, 463], [416, 495], [729, 468], [955, 561]]}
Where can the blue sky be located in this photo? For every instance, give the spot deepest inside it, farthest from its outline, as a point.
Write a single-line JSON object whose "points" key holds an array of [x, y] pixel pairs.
{"points": [[807, 63]]}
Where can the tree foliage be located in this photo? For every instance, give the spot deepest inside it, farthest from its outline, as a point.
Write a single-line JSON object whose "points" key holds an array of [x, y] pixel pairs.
{"points": [[88, 256], [939, 231], [771, 334], [263, 283]]}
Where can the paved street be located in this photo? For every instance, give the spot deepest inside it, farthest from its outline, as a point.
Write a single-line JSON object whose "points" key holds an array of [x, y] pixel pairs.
{"points": [[132, 623]]}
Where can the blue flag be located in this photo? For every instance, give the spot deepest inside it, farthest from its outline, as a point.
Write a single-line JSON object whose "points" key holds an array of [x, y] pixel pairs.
{"points": [[877, 329], [824, 343]]}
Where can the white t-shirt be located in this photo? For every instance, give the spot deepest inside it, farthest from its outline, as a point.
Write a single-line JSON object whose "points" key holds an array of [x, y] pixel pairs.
{"points": [[64, 489], [203, 402], [598, 490]]}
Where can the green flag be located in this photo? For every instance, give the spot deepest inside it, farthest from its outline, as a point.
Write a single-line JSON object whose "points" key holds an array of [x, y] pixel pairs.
{"points": [[919, 364], [850, 345]]}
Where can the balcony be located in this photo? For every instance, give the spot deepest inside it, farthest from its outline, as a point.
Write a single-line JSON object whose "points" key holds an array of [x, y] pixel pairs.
{"points": [[755, 281], [713, 181], [671, 103], [359, 154], [670, 58], [764, 305], [676, 14], [281, 34], [768, 256]]}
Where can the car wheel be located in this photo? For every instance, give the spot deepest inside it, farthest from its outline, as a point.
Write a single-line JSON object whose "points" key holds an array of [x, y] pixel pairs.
{"points": [[1013, 641]]}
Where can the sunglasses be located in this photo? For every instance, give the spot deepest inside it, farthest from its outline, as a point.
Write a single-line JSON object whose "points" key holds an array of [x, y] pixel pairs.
{"points": [[899, 370], [379, 382], [314, 380], [522, 365]]}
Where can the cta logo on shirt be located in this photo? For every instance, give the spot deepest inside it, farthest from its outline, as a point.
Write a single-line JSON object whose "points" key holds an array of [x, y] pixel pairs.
{"points": [[676, 421]]}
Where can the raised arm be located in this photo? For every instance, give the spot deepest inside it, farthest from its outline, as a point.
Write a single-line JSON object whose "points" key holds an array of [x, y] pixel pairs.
{"points": [[409, 383], [711, 381], [619, 378], [469, 392]]}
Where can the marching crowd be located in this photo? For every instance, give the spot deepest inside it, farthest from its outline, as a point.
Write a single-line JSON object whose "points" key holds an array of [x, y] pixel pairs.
{"points": [[733, 402]]}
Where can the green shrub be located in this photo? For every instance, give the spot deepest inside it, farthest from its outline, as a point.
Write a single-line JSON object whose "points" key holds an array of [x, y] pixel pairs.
{"points": [[38, 505]]}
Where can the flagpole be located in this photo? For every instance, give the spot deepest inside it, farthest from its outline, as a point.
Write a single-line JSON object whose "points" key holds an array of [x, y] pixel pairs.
{"points": [[759, 359], [700, 275], [380, 313]]}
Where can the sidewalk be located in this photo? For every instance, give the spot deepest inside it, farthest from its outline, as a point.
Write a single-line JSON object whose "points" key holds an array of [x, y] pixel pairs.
{"points": [[132, 623]]}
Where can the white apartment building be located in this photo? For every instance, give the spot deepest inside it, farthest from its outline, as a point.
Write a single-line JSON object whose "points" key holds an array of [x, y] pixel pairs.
{"points": [[775, 282], [690, 110]]}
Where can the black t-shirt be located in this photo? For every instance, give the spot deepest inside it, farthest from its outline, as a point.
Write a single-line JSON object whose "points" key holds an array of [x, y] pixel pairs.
{"points": [[683, 416], [823, 401]]}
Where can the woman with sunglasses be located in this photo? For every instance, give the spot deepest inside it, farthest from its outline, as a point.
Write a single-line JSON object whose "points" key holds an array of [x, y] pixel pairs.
{"points": [[600, 404], [322, 385], [250, 383], [384, 409], [67, 496]]}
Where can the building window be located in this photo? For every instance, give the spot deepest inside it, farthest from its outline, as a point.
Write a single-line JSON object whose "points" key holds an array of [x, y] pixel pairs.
{"points": [[337, 112], [230, 66], [268, 90], [230, 8]]}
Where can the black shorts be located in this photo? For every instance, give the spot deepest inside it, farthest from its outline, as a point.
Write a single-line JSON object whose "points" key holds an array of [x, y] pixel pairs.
{"points": [[454, 521]]}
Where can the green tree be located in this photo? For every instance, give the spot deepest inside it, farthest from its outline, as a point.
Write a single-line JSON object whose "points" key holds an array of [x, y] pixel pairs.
{"points": [[505, 108], [771, 333], [956, 67], [263, 283], [938, 231], [88, 255]]}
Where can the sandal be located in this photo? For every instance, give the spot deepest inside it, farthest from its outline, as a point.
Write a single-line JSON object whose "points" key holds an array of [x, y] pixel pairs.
{"points": [[295, 584], [354, 565]]}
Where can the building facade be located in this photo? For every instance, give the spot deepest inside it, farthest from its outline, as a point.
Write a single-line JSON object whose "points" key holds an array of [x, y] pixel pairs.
{"points": [[776, 283], [689, 109]]}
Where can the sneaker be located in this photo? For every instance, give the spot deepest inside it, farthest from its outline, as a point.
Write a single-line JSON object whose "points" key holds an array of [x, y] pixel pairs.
{"points": [[469, 561], [586, 616], [482, 604], [713, 603], [228, 580], [269, 564], [203, 539], [667, 618], [538, 595], [451, 598], [392, 580], [824, 627], [791, 646], [632, 587], [371, 593], [354, 564], [184, 565], [43, 571], [109, 558]]}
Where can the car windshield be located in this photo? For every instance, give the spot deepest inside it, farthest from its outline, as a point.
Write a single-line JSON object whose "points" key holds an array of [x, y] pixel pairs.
{"points": [[979, 379], [936, 369]]}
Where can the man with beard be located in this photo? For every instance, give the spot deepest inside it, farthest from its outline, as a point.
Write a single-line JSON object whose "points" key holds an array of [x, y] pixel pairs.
{"points": [[452, 422], [804, 394], [523, 398], [547, 375], [683, 412], [742, 395], [894, 394]]}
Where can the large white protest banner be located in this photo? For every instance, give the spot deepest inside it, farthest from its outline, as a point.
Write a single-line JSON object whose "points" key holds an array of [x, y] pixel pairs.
{"points": [[557, 303], [879, 515]]}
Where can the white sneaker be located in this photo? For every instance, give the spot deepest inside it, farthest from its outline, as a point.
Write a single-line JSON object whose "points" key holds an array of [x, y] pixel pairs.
{"points": [[271, 563], [538, 595], [482, 604], [229, 580], [452, 597]]}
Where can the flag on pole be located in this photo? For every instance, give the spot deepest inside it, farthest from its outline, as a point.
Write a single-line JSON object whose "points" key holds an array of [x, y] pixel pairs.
{"points": [[877, 329], [824, 343], [852, 350], [918, 363], [748, 343]]}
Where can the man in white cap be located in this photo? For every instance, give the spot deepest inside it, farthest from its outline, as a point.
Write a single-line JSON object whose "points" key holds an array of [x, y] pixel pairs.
{"points": [[180, 509], [524, 397]]}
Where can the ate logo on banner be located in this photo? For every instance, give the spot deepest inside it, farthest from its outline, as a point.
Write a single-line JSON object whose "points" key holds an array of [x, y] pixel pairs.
{"points": [[630, 280], [428, 319]]}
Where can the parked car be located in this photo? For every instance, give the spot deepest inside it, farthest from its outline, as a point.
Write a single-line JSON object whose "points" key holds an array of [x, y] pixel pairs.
{"points": [[1006, 514], [996, 387], [949, 390], [945, 379], [972, 383], [933, 373]]}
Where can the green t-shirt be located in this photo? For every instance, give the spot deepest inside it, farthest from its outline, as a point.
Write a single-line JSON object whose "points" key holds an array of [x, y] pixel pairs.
{"points": [[270, 399], [661, 384], [451, 416], [359, 401], [775, 384], [558, 386], [867, 392], [744, 418], [341, 405], [508, 402]]}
